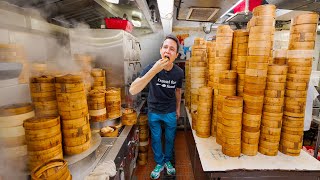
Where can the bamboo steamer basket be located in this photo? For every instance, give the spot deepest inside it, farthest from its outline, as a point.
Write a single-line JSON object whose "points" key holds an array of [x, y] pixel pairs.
{"points": [[42, 79], [76, 132], [97, 72], [39, 157], [129, 117], [296, 86], [41, 87], [44, 133], [144, 146], [300, 54], [43, 144], [295, 93], [74, 123], [233, 101], [14, 115], [77, 141], [96, 99], [288, 151], [276, 86], [303, 37], [144, 134], [270, 138], [264, 10], [69, 88], [46, 105], [263, 21], [303, 28], [299, 70], [72, 105], [308, 18], [274, 93], [232, 151], [274, 101], [270, 131], [291, 145], [291, 137], [277, 78], [302, 45], [50, 170], [249, 149], [260, 44], [73, 114], [69, 79], [305, 62], [38, 123], [260, 36], [142, 158], [76, 149], [267, 151], [269, 145], [73, 96], [277, 69], [98, 115], [272, 108], [298, 78]]}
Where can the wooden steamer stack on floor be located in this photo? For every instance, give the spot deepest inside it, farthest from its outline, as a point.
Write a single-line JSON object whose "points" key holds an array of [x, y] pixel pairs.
{"points": [[73, 110], [227, 87], [43, 95], [300, 55], [204, 110], [15, 53], [261, 31], [53, 169], [221, 63], [198, 78], [97, 105], [44, 141], [231, 119], [113, 102], [273, 110], [99, 78], [187, 94], [85, 61], [239, 55], [143, 139], [12, 135]]}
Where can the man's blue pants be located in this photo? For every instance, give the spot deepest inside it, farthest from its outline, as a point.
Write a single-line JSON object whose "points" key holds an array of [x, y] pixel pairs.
{"points": [[170, 124]]}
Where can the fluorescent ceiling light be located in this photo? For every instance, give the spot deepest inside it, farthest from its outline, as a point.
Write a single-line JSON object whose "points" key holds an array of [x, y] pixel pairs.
{"points": [[113, 1], [136, 23], [236, 4]]}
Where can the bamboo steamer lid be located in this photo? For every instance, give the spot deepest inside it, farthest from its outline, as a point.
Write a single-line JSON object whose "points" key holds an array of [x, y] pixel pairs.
{"points": [[273, 108], [15, 109], [44, 144], [15, 120], [42, 79], [44, 133], [302, 36], [69, 79], [276, 86], [52, 169], [302, 45], [268, 152], [41, 87], [308, 18], [264, 10], [249, 149], [41, 122], [69, 88], [270, 138]]}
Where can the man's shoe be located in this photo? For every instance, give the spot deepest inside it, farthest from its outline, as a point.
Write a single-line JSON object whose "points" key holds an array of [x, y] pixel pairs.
{"points": [[155, 174], [170, 169]]}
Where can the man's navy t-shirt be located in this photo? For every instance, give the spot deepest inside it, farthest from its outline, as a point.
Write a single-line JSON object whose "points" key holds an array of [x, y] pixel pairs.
{"points": [[162, 97]]}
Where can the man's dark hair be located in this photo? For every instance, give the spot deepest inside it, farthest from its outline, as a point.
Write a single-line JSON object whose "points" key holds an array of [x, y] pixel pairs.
{"points": [[173, 37]]}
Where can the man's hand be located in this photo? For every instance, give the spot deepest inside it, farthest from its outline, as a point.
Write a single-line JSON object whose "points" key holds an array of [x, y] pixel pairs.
{"points": [[178, 113], [160, 64]]}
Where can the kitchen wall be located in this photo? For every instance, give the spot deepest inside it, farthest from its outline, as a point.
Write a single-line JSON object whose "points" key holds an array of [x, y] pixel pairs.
{"points": [[150, 47]]}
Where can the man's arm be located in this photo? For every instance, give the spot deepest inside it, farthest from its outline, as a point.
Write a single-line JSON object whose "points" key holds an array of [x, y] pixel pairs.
{"points": [[140, 83], [178, 101]]}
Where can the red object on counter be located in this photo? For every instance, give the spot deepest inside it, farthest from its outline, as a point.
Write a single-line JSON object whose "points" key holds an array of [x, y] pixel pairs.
{"points": [[310, 150], [117, 23], [252, 4]]}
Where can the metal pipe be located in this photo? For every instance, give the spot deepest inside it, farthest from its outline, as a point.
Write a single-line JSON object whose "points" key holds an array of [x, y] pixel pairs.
{"points": [[246, 8]]}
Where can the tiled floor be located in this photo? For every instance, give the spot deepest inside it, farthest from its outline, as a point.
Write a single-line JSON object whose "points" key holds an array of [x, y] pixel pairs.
{"points": [[182, 162]]}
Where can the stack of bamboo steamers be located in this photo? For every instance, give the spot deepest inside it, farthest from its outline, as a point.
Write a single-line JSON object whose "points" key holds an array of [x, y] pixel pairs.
{"points": [[73, 110], [261, 31], [143, 139], [300, 56], [267, 115]]}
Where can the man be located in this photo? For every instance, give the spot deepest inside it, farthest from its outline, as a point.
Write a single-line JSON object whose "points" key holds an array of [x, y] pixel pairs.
{"points": [[165, 82]]}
